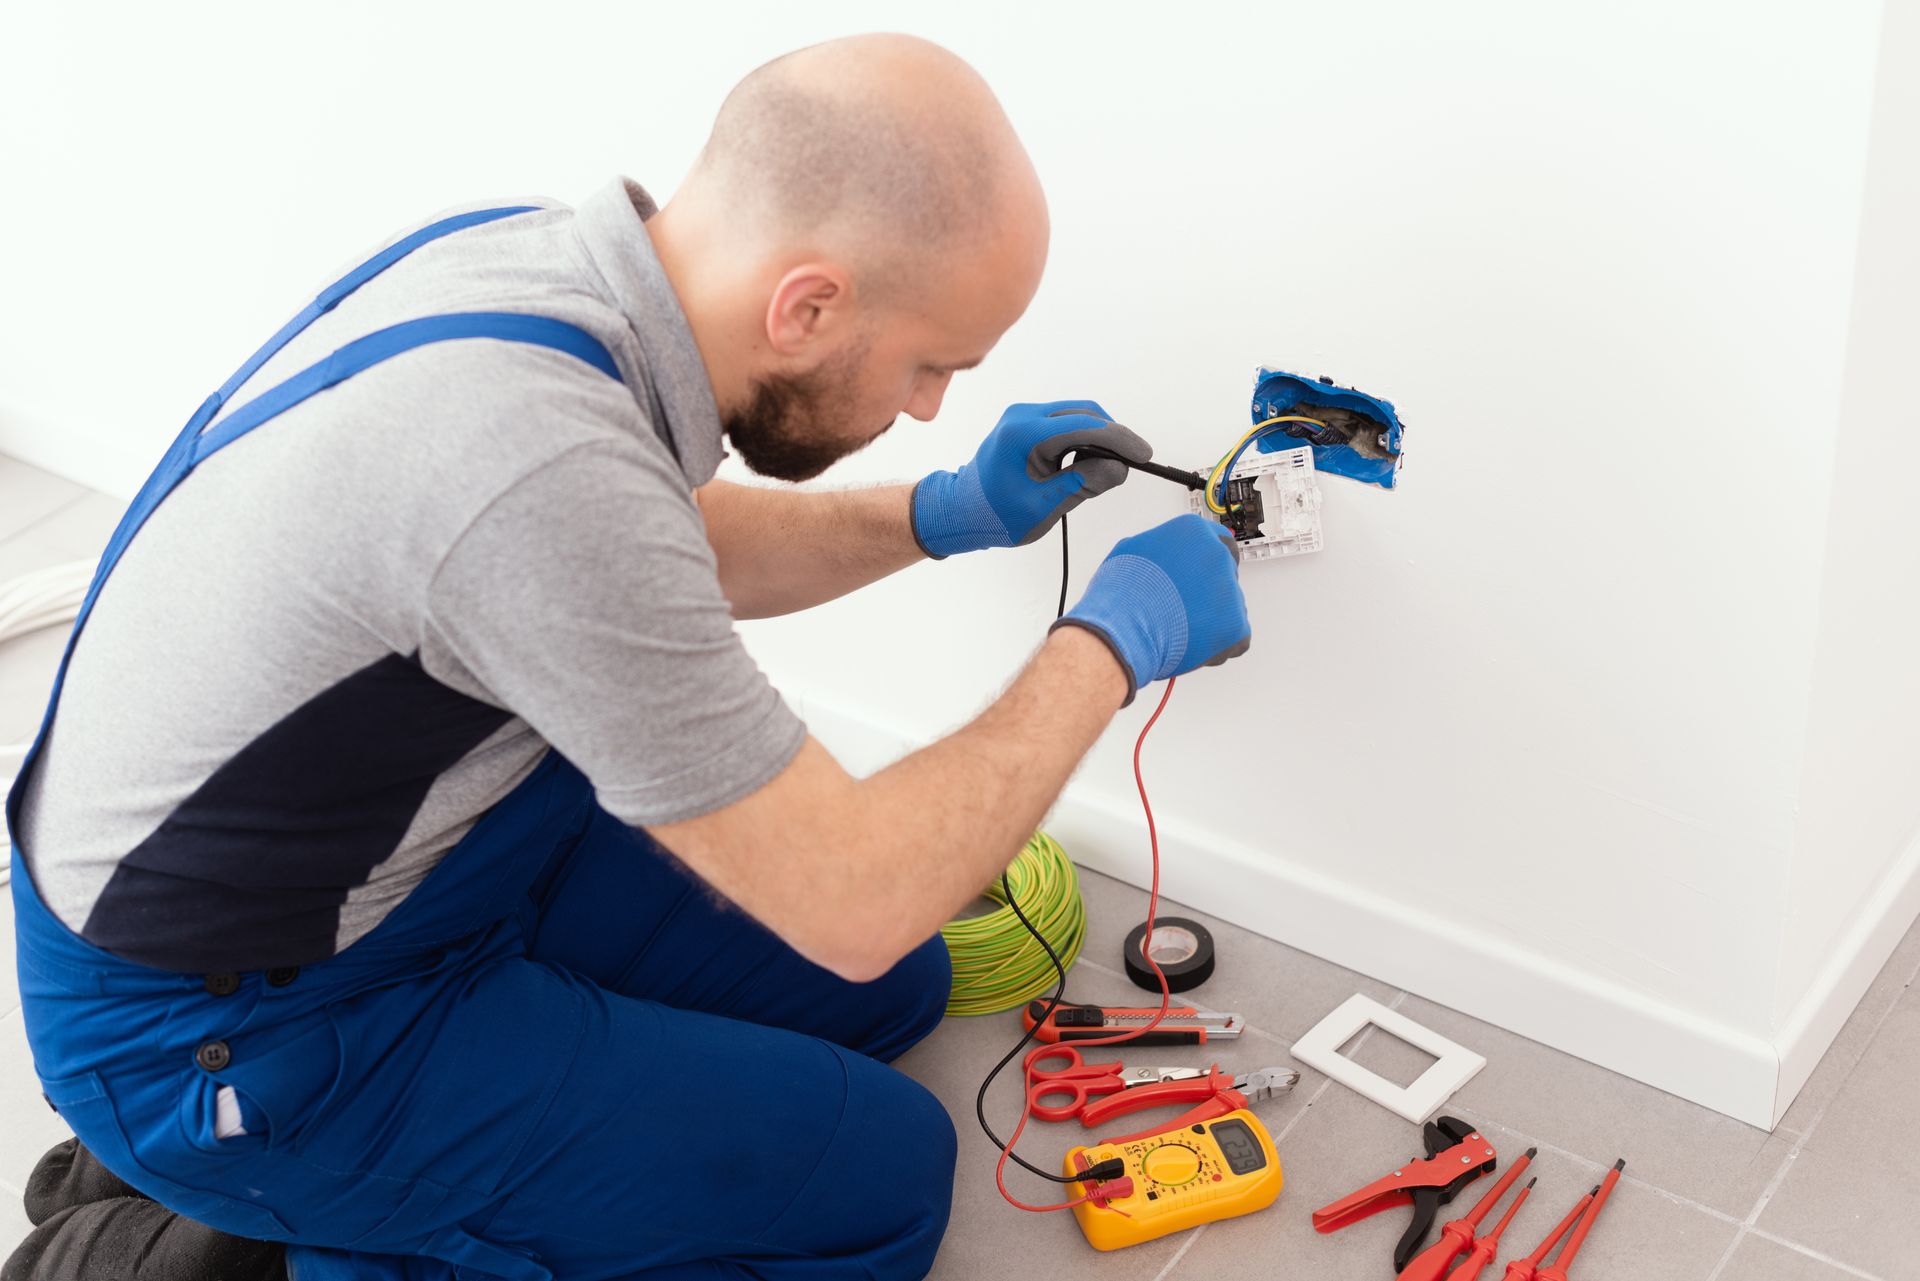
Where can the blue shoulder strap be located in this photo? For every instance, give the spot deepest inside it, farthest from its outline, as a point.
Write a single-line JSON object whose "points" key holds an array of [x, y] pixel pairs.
{"points": [[191, 446], [330, 297], [383, 344], [194, 445]]}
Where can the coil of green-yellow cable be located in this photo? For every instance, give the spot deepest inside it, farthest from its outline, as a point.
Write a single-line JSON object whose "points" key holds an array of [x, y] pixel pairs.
{"points": [[997, 964]]}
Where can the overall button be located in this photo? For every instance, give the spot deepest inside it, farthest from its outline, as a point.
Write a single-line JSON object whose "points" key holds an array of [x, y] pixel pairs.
{"points": [[222, 984], [213, 1056], [282, 975]]}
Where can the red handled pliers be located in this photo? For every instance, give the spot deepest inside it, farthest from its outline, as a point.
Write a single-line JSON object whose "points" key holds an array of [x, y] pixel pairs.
{"points": [[1081, 1082], [1215, 1092]]}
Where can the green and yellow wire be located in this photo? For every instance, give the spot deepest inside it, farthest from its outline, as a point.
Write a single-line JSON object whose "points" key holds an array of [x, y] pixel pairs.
{"points": [[1216, 481], [997, 964]]}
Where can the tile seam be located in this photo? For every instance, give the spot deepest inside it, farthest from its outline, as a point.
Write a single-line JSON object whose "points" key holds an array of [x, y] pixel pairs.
{"points": [[1813, 1254], [1813, 1122], [1181, 1253], [1726, 1256], [1805, 1136], [1666, 1194]]}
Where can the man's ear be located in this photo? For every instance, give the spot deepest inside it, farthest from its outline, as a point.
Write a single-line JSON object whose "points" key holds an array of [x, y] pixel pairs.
{"points": [[812, 305]]}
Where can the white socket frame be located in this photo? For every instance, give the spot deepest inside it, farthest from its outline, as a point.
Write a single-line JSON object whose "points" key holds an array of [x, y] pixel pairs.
{"points": [[1320, 1050]]}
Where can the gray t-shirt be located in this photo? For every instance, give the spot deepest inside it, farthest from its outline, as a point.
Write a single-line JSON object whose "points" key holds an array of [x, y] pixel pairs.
{"points": [[348, 634]]}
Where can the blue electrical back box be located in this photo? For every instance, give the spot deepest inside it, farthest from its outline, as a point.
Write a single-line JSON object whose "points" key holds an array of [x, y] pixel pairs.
{"points": [[1361, 439]]}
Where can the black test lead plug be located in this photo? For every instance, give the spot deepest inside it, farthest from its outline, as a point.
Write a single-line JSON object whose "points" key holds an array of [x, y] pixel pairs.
{"points": [[1192, 480]]}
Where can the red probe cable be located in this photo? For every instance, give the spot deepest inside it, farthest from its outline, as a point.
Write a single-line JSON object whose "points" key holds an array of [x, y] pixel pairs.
{"points": [[1166, 996]]}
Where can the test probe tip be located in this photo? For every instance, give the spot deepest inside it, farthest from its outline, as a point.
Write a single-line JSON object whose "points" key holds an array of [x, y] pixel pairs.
{"points": [[1531, 1182], [1621, 1164], [1532, 1153]]}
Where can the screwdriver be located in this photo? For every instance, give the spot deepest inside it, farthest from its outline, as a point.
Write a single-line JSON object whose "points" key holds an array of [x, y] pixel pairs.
{"points": [[1557, 1270], [1489, 1245], [1527, 1269], [1457, 1237]]}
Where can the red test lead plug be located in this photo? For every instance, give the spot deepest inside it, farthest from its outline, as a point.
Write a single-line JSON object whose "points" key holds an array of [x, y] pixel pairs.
{"points": [[1456, 1238], [1557, 1270]]}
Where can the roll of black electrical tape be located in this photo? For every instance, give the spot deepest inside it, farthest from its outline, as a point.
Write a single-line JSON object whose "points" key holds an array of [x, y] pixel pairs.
{"points": [[1182, 948]]}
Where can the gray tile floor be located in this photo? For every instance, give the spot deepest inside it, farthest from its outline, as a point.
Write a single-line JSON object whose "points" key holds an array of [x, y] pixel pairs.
{"points": [[1705, 1198]]}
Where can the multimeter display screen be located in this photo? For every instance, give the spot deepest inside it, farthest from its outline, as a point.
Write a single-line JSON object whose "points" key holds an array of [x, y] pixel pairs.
{"points": [[1238, 1145]]}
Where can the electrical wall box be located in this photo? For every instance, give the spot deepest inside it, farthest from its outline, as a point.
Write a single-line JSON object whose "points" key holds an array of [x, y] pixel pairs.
{"points": [[1273, 504]]}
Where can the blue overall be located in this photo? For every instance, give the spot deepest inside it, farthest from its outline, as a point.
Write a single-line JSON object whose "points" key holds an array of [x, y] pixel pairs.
{"points": [[559, 1058]]}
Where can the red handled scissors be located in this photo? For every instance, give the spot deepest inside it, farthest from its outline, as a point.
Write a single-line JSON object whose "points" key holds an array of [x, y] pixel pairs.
{"points": [[1080, 1082]]}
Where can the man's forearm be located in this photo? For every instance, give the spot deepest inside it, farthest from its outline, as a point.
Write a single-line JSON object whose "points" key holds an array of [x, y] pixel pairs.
{"points": [[955, 813], [856, 873], [782, 550]]}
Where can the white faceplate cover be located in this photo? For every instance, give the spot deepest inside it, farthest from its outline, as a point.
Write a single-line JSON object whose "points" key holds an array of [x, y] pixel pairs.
{"points": [[1320, 1049]]}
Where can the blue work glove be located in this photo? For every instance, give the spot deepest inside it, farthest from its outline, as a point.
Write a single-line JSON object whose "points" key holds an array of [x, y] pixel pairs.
{"points": [[1015, 489], [1167, 601]]}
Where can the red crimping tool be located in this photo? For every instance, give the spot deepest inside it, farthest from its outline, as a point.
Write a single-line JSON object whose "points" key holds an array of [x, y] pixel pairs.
{"points": [[1457, 1154], [1459, 1238]]}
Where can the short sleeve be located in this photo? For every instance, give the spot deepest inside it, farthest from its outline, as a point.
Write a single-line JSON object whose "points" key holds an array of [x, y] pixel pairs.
{"points": [[586, 600]]}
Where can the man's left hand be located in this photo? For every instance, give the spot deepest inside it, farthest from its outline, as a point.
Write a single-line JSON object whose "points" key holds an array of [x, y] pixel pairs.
{"points": [[1015, 489]]}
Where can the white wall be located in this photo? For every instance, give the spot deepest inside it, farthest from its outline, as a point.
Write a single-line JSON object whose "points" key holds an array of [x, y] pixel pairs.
{"points": [[1563, 728], [1853, 885]]}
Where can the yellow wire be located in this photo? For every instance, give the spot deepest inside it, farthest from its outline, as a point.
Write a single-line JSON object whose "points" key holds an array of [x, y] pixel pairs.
{"points": [[1213, 480]]}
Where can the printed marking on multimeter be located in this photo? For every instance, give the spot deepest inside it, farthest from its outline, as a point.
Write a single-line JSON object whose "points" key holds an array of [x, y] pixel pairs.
{"points": [[1182, 1177]]}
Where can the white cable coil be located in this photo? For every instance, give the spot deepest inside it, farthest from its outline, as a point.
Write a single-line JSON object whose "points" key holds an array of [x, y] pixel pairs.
{"points": [[45, 598]]}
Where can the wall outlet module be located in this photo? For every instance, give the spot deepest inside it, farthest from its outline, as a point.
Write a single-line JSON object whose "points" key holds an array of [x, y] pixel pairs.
{"points": [[1273, 504]]}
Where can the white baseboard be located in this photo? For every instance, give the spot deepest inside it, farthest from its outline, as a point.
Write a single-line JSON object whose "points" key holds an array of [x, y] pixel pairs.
{"points": [[1586, 1015], [79, 454], [1857, 957]]}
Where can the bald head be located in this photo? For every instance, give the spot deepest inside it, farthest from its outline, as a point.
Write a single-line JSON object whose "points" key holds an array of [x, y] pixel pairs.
{"points": [[861, 225], [885, 150]]}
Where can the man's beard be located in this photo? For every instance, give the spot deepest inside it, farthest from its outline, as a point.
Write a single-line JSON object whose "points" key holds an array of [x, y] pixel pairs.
{"points": [[790, 428]]}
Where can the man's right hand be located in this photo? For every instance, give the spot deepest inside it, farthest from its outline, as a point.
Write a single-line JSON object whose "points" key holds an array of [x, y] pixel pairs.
{"points": [[1167, 601]]}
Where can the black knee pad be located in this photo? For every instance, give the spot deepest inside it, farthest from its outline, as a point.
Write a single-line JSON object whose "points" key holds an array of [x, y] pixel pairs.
{"points": [[68, 1176], [134, 1239]]}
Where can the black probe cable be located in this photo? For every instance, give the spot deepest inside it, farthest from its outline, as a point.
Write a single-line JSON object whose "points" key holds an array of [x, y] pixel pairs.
{"points": [[1053, 1003], [1191, 480], [1060, 989]]}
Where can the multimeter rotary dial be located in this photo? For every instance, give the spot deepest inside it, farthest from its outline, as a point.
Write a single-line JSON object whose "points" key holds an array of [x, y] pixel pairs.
{"points": [[1171, 1164]]}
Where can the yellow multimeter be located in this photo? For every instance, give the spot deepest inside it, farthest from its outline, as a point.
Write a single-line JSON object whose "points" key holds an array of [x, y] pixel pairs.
{"points": [[1183, 1176]]}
